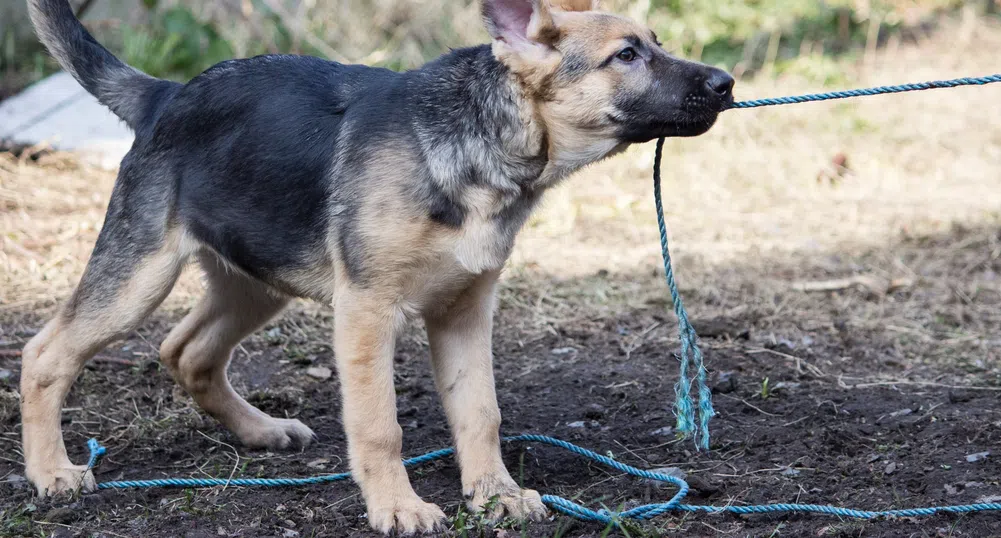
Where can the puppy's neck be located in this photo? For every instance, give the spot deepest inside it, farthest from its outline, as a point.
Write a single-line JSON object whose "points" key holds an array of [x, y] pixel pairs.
{"points": [[476, 126]]}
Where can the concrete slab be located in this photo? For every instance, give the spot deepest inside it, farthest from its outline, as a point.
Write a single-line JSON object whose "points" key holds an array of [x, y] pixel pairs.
{"points": [[59, 112]]}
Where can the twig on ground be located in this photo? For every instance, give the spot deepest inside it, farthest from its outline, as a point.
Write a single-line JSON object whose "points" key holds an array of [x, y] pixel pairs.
{"points": [[921, 384], [800, 363], [236, 455], [752, 406]]}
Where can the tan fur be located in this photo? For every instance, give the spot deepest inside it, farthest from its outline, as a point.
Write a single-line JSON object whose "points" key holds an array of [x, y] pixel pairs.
{"points": [[199, 349], [461, 354], [532, 65], [577, 5], [52, 360], [364, 339], [574, 114]]}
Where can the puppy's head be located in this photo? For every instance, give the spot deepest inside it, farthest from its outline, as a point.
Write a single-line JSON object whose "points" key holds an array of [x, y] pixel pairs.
{"points": [[598, 77]]}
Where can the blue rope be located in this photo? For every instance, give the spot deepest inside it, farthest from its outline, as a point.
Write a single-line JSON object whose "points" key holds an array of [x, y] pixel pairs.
{"points": [[688, 423], [878, 90], [560, 504], [683, 406]]}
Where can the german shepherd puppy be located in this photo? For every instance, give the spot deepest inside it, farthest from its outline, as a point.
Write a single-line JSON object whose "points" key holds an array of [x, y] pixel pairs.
{"points": [[386, 195]]}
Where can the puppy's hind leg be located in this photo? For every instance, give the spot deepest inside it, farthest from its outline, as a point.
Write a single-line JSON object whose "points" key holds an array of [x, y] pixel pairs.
{"points": [[199, 349], [131, 270]]}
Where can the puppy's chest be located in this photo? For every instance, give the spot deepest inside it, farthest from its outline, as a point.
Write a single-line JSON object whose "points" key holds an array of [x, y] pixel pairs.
{"points": [[478, 246], [482, 245], [492, 221], [458, 257]]}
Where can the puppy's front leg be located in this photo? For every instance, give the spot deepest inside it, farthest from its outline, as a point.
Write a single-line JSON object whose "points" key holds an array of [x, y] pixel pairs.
{"points": [[460, 341], [364, 341]]}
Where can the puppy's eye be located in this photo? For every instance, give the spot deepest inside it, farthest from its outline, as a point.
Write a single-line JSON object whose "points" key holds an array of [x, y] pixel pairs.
{"points": [[627, 54]]}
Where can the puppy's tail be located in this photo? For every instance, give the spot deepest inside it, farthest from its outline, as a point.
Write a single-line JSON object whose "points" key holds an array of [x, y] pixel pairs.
{"points": [[132, 95]]}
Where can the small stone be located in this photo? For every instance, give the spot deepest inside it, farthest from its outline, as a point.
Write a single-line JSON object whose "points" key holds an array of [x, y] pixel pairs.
{"points": [[319, 372], [5, 374], [594, 411], [973, 458], [576, 424], [700, 486], [61, 515], [15, 479], [872, 458], [726, 382], [273, 335], [789, 471], [952, 490], [666, 431], [960, 397], [890, 468], [290, 533], [669, 471], [318, 463], [563, 351]]}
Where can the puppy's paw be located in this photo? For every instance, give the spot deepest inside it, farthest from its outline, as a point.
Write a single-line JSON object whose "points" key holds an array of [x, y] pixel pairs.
{"points": [[66, 479], [277, 434], [500, 497], [406, 516]]}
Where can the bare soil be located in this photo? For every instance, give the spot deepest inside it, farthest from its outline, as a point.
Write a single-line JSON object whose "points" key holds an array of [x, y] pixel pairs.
{"points": [[852, 415]]}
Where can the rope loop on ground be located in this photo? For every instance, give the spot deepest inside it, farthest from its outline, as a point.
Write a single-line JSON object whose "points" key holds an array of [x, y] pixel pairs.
{"points": [[560, 504]]}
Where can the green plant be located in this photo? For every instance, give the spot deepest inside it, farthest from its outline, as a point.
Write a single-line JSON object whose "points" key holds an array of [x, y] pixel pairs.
{"points": [[765, 392], [469, 525], [174, 45], [18, 521]]}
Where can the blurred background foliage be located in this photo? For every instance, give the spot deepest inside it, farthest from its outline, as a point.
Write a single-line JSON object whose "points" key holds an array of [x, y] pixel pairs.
{"points": [[179, 38]]}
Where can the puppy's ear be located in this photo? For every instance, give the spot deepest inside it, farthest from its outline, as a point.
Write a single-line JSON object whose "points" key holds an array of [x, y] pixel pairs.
{"points": [[578, 5], [520, 25]]}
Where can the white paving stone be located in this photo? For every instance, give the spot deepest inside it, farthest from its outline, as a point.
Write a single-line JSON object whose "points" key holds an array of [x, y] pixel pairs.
{"points": [[59, 112]]}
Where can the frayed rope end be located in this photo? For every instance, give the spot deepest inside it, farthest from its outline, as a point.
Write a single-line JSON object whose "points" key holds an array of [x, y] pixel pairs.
{"points": [[96, 451]]}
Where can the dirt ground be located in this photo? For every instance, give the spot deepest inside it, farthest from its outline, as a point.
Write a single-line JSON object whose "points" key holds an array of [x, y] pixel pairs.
{"points": [[853, 415], [849, 317]]}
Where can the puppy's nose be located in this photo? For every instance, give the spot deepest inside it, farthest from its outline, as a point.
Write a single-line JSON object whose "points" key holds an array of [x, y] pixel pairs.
{"points": [[719, 82]]}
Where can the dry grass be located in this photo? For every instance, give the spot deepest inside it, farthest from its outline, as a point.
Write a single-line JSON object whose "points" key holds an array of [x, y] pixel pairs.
{"points": [[747, 214], [52, 211]]}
